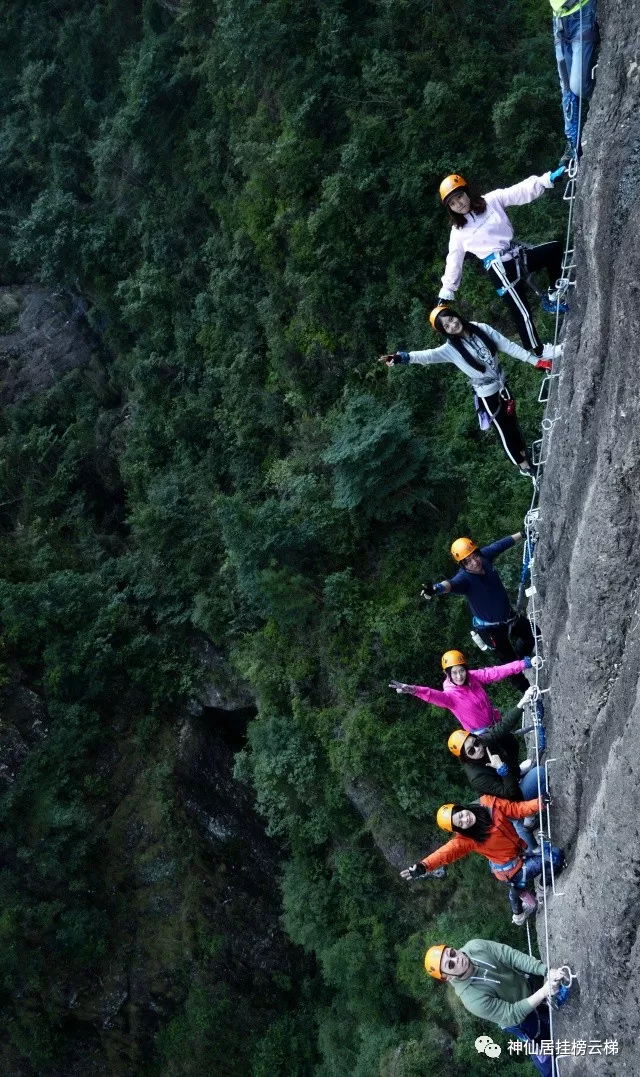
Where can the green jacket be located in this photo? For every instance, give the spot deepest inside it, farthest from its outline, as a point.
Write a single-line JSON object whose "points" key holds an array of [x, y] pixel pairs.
{"points": [[497, 989], [562, 8], [484, 779]]}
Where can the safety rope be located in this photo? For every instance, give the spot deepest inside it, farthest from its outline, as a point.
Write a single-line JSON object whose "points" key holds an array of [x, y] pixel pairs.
{"points": [[539, 454]]}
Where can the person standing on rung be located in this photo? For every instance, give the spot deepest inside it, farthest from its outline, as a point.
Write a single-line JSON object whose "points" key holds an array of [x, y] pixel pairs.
{"points": [[505, 986], [473, 348], [494, 620], [575, 36], [480, 226]]}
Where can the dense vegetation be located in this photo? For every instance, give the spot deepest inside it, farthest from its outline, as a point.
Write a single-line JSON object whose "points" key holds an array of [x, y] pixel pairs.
{"points": [[244, 192]]}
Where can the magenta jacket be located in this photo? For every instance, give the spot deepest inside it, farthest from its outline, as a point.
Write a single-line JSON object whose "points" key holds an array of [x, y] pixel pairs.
{"points": [[469, 702]]}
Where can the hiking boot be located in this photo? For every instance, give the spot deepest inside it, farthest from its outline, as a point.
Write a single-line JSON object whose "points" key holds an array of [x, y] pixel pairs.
{"points": [[551, 304], [528, 900], [568, 155], [529, 906]]}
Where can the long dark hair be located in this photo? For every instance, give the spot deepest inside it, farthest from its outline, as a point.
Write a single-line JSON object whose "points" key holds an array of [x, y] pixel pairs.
{"points": [[480, 829], [478, 205], [458, 341]]}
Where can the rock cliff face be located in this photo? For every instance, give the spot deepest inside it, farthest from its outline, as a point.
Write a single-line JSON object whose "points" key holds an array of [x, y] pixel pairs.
{"points": [[186, 864], [589, 568], [43, 335]]}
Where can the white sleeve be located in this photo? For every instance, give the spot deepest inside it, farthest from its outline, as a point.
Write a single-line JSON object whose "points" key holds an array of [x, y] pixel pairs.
{"points": [[507, 346], [524, 192], [453, 268], [432, 355]]}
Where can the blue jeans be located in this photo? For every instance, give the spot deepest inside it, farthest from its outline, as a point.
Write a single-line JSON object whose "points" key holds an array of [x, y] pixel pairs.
{"points": [[529, 789], [533, 1029], [531, 868], [575, 38]]}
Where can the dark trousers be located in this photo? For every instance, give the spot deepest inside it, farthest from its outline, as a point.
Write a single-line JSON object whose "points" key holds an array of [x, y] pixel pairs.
{"points": [[505, 423], [533, 1029], [504, 275], [511, 642]]}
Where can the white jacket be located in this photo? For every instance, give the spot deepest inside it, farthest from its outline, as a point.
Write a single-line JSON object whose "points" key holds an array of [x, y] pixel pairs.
{"points": [[490, 231], [484, 382]]}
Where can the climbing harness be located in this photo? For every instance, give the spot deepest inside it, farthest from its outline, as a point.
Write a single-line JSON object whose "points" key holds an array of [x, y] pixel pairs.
{"points": [[516, 253]]}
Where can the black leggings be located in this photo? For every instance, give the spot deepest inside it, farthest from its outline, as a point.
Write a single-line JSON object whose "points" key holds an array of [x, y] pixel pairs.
{"points": [[504, 275], [511, 643], [502, 410]]}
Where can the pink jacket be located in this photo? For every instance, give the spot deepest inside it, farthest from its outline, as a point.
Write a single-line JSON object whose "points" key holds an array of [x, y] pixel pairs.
{"points": [[469, 702], [490, 231]]}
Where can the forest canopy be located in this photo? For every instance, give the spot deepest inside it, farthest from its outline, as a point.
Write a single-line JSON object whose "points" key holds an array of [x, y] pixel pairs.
{"points": [[244, 196]]}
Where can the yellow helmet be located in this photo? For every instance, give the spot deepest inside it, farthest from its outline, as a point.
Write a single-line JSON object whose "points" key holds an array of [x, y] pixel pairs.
{"points": [[434, 314], [450, 184], [455, 744], [444, 818], [452, 658], [433, 960], [462, 547]]}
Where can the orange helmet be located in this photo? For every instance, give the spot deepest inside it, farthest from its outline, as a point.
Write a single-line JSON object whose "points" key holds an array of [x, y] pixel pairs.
{"points": [[434, 314], [462, 547], [455, 744], [450, 184], [433, 960], [444, 818], [452, 658]]}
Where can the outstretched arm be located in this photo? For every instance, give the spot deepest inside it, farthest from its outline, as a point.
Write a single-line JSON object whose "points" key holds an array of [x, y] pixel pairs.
{"points": [[520, 194], [494, 549], [431, 589], [498, 673], [520, 810], [509, 347], [433, 695], [428, 357], [447, 854]]}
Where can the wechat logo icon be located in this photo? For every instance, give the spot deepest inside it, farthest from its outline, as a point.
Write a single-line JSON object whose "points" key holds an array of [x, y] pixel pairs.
{"points": [[486, 1046]]}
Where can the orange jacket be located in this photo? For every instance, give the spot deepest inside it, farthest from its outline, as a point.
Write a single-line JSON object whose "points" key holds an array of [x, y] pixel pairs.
{"points": [[503, 846]]}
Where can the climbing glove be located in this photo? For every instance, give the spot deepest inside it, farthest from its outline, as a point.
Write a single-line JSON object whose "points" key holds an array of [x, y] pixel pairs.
{"points": [[557, 174], [428, 590], [416, 871]]}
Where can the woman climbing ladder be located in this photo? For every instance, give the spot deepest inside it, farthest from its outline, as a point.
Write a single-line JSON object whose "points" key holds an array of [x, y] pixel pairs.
{"points": [[463, 690], [481, 227], [485, 828], [473, 348]]}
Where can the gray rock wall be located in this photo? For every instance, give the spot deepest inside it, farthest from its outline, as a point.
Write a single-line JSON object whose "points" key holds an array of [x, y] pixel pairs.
{"points": [[589, 559]]}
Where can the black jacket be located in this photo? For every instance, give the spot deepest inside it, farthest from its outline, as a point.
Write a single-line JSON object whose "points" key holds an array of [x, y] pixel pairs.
{"points": [[498, 739]]}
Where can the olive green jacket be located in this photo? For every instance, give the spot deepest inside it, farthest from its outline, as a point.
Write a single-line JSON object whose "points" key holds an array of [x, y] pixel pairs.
{"points": [[498, 987]]}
